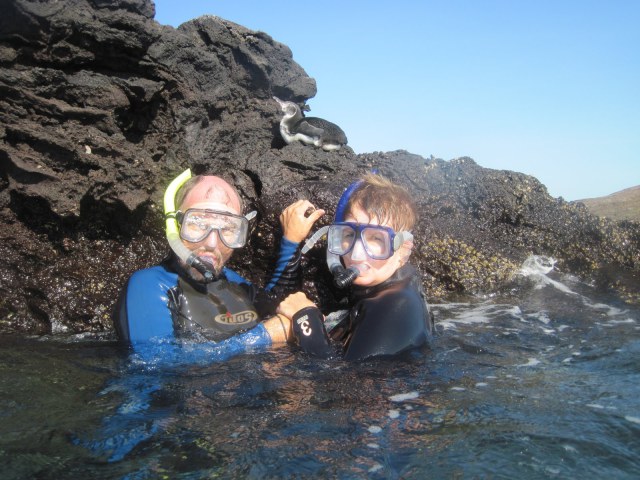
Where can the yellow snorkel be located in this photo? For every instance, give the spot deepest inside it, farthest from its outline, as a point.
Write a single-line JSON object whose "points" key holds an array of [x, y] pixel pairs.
{"points": [[173, 232]]}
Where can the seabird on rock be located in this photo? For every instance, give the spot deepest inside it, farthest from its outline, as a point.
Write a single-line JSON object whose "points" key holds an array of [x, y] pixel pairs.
{"points": [[310, 130]]}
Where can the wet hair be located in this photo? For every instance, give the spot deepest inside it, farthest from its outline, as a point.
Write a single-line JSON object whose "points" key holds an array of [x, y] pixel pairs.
{"points": [[385, 201], [193, 181]]}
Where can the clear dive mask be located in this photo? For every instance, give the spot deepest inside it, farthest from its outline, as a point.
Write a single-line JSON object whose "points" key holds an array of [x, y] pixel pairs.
{"points": [[196, 224]]}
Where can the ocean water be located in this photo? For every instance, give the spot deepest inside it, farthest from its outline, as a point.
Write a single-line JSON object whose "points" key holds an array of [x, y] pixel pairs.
{"points": [[542, 382]]}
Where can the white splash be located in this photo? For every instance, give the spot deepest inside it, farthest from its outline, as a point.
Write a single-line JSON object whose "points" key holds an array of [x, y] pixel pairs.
{"points": [[476, 314], [541, 316], [625, 321], [537, 265], [531, 363], [58, 327], [401, 397]]}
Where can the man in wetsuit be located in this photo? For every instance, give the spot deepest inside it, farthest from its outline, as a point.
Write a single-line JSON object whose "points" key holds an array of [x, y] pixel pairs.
{"points": [[369, 244], [192, 294]]}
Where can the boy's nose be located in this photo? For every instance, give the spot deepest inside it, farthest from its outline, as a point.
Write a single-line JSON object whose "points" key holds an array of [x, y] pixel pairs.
{"points": [[358, 252]]}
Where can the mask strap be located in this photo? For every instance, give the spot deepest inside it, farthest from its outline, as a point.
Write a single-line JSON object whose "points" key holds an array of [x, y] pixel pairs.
{"points": [[342, 203]]}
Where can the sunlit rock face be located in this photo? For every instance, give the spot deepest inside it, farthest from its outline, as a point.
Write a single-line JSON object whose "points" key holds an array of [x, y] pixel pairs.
{"points": [[101, 107]]}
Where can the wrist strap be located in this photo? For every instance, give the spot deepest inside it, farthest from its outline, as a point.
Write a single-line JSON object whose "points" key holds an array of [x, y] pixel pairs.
{"points": [[309, 330]]}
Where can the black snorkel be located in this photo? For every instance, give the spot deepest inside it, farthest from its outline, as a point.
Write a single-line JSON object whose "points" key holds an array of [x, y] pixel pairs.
{"points": [[173, 233], [342, 277]]}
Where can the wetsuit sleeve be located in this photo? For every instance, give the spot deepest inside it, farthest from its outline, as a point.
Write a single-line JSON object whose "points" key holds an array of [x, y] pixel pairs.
{"points": [[309, 331], [255, 340], [387, 324], [286, 279], [171, 354], [286, 276], [142, 310]]}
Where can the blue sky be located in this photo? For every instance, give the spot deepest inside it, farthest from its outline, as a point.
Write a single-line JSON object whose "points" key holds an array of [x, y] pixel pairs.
{"points": [[550, 88]]}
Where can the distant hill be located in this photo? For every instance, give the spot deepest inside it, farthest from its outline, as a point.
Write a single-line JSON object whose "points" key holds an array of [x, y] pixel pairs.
{"points": [[622, 205]]}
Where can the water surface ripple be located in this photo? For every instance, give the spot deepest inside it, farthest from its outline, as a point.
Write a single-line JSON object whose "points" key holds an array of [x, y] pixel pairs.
{"points": [[540, 383]]}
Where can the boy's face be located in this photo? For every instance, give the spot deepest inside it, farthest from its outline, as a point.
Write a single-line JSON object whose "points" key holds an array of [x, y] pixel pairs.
{"points": [[372, 272]]}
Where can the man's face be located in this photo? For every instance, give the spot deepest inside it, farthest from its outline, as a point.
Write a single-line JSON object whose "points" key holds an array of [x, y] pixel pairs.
{"points": [[372, 272], [211, 193]]}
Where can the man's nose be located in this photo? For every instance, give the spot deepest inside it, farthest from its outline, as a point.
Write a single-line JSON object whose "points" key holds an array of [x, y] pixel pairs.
{"points": [[211, 240]]}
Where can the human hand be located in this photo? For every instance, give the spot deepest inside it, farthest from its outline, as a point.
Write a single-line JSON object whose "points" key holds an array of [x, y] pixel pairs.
{"points": [[293, 304], [295, 224]]}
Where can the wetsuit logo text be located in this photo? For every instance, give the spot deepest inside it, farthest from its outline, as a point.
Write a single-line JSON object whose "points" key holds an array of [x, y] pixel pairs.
{"points": [[236, 318]]}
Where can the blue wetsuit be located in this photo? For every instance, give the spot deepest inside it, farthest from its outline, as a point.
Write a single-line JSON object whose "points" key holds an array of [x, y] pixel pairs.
{"points": [[382, 320], [156, 310], [162, 303]]}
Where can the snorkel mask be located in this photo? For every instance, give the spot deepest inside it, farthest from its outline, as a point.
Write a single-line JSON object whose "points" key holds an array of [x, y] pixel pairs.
{"points": [[173, 229], [342, 277]]}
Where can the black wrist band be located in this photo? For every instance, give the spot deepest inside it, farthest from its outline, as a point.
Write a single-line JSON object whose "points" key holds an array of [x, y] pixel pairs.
{"points": [[308, 328]]}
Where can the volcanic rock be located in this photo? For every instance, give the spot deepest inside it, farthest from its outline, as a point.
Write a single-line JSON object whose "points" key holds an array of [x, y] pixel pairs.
{"points": [[101, 106]]}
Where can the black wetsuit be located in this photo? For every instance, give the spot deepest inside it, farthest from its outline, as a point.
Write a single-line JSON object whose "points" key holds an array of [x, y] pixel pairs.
{"points": [[383, 320]]}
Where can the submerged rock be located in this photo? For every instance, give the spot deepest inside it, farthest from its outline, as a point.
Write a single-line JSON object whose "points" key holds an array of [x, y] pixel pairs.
{"points": [[101, 107]]}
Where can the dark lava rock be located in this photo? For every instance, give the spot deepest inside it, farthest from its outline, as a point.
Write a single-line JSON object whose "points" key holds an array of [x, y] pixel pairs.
{"points": [[101, 106]]}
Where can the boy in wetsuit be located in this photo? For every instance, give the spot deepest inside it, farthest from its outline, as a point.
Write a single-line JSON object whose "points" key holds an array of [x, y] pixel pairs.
{"points": [[388, 313]]}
